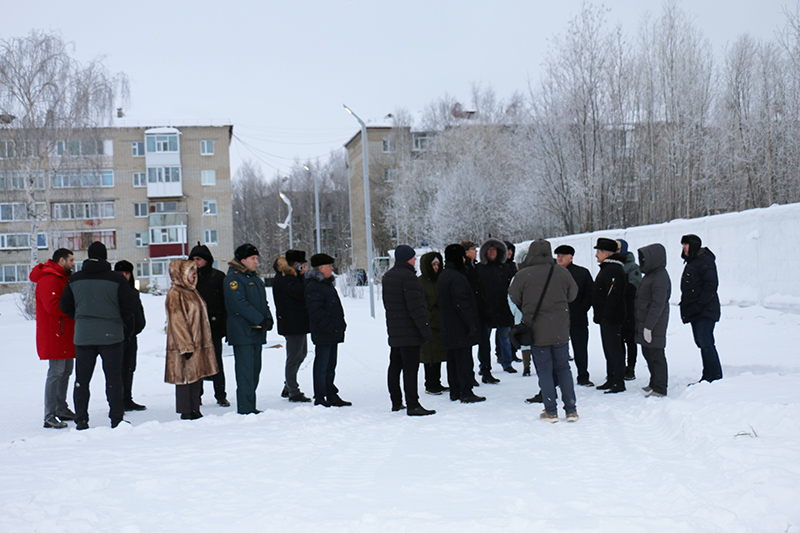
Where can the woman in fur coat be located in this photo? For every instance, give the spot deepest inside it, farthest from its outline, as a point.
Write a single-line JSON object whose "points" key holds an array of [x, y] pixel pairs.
{"points": [[190, 348]]}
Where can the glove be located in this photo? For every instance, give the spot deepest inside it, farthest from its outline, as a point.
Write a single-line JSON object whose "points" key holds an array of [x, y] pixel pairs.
{"points": [[187, 356], [266, 323], [648, 335]]}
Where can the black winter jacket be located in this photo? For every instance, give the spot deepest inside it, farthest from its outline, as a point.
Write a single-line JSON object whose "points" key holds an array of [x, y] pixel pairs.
{"points": [[288, 291], [495, 278], [459, 312], [699, 282], [579, 307], [404, 301], [325, 311], [211, 287], [608, 297]]}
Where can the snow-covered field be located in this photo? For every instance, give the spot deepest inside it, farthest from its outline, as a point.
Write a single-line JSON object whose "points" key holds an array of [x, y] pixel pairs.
{"points": [[723, 456]]}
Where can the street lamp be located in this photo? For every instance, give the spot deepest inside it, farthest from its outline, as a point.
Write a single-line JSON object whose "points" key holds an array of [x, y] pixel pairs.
{"points": [[316, 203], [368, 214], [206, 212], [288, 222]]}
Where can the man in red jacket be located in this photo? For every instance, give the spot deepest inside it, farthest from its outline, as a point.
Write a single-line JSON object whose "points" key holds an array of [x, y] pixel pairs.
{"points": [[54, 335]]}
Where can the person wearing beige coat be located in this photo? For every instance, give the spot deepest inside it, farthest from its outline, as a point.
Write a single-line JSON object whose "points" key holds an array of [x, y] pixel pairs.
{"points": [[190, 347]]}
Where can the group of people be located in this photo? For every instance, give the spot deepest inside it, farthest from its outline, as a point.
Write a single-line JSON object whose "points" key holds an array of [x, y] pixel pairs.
{"points": [[434, 318], [538, 308]]}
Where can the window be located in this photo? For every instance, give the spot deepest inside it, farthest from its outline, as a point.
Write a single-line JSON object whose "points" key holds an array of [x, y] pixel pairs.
{"points": [[157, 268], [82, 210], [80, 240], [15, 181], [78, 147], [210, 207], [389, 145], [389, 174], [207, 147], [420, 142], [137, 149], [167, 235], [7, 150], [142, 270], [164, 207], [140, 209], [17, 211], [211, 236], [21, 241], [85, 179], [164, 174], [162, 143], [14, 273], [208, 177], [141, 239], [139, 179]]}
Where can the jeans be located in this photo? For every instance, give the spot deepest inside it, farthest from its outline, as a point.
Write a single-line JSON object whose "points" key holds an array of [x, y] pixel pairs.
{"points": [[703, 331], [247, 359], [657, 364], [484, 348], [611, 337], [296, 350], [325, 356], [579, 338], [55, 388], [404, 359], [85, 360], [459, 372], [549, 361]]}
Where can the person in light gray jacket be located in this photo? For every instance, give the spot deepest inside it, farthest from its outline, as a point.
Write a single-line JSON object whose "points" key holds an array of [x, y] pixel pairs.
{"points": [[652, 315]]}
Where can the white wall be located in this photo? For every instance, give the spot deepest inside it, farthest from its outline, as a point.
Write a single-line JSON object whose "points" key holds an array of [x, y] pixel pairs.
{"points": [[758, 252]]}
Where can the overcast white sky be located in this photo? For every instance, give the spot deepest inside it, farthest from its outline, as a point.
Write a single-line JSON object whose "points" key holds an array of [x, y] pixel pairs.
{"points": [[279, 71]]}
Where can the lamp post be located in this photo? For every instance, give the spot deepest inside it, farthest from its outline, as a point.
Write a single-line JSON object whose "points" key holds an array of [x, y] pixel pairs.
{"points": [[206, 212], [367, 212], [316, 204], [288, 222]]}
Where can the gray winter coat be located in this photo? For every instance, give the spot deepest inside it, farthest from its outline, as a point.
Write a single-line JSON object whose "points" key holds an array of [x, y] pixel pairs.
{"points": [[652, 298], [552, 323]]}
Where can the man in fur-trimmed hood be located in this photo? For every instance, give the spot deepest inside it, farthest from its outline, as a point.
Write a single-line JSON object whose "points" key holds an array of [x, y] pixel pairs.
{"points": [[495, 278]]}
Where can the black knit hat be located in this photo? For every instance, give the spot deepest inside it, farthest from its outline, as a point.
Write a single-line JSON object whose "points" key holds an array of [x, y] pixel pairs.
{"points": [[295, 256], [455, 254], [609, 245], [321, 259], [97, 250], [564, 249], [244, 251], [691, 239], [201, 251]]}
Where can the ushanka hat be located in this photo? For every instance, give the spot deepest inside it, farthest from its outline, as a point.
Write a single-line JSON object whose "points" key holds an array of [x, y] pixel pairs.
{"points": [[244, 251], [564, 249], [321, 259], [608, 245], [295, 256], [691, 239]]}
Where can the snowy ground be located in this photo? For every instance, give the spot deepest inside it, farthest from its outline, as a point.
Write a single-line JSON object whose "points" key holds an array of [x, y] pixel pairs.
{"points": [[711, 457]]}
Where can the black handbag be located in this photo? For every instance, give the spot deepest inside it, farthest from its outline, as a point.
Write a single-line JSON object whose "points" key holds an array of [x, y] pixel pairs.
{"points": [[521, 334]]}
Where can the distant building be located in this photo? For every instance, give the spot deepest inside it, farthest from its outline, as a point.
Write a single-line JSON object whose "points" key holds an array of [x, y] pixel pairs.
{"points": [[149, 194]]}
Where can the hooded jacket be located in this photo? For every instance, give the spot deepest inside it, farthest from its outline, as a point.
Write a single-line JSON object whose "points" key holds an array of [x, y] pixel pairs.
{"points": [[54, 329], [288, 292], [211, 286], [699, 283], [459, 312], [246, 305], [552, 323], [432, 352], [608, 298], [495, 277], [652, 297], [406, 312], [325, 311], [188, 329]]}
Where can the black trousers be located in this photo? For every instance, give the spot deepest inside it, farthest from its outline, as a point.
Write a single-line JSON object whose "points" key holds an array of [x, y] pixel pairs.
{"points": [[460, 372], [219, 378], [433, 375], [187, 397], [657, 364], [611, 337], [579, 338], [130, 347], [404, 359], [628, 335], [85, 361]]}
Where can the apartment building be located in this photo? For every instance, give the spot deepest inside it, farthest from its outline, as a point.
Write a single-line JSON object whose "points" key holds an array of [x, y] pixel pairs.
{"points": [[149, 194]]}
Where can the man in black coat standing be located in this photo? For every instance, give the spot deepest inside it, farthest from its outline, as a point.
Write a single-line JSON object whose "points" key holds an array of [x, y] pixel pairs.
{"points": [[211, 287], [460, 324], [495, 278], [130, 345], [578, 309], [471, 272], [608, 301], [408, 328], [700, 302], [288, 291]]}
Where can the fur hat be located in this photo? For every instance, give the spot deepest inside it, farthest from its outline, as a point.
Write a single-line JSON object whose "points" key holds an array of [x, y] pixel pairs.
{"points": [[321, 259], [295, 256], [123, 266], [404, 253], [564, 249], [608, 245], [97, 250], [455, 254], [244, 251], [691, 239]]}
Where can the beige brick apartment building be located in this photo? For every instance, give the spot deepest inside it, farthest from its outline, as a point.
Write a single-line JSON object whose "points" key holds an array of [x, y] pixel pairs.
{"points": [[149, 194]]}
